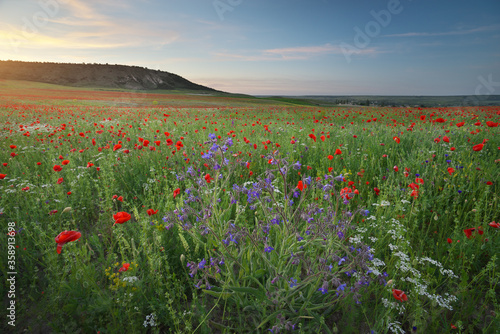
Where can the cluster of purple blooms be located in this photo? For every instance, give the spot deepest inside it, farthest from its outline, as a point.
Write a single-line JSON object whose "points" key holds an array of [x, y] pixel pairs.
{"points": [[316, 235]]}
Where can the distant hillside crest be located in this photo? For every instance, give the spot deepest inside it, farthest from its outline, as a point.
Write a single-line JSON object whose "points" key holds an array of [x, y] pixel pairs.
{"points": [[95, 75]]}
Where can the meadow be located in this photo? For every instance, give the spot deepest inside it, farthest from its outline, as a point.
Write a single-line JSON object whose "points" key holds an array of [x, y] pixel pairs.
{"points": [[178, 213]]}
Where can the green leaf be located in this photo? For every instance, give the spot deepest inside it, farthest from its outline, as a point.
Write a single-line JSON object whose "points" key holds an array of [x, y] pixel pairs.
{"points": [[224, 295], [257, 274], [257, 293], [272, 316]]}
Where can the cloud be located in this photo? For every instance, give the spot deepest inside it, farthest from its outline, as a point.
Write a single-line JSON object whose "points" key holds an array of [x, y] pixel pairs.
{"points": [[292, 53], [82, 10], [77, 24], [304, 52], [448, 33]]}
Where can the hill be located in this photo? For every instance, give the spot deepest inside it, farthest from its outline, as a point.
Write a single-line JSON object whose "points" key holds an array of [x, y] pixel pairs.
{"points": [[96, 75]]}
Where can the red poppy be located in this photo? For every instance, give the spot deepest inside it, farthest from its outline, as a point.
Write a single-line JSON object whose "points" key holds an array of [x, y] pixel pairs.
{"points": [[440, 120], [330, 157], [177, 192], [60, 180], [451, 170], [117, 147], [145, 143], [478, 147], [57, 168], [124, 267], [208, 178], [414, 194], [120, 198], [312, 136], [377, 191], [2, 176], [422, 117], [169, 142], [12, 147], [322, 138], [446, 139], [437, 140], [452, 149], [121, 217], [301, 186], [418, 180], [338, 152], [152, 212], [399, 295], [495, 225], [396, 139], [65, 162], [414, 186], [492, 124], [449, 240], [396, 168], [344, 193], [460, 124], [468, 232], [66, 236], [38, 163]]}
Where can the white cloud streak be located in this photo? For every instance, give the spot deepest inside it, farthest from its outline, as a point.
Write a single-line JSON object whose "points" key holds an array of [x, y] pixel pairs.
{"points": [[448, 33], [292, 53]]}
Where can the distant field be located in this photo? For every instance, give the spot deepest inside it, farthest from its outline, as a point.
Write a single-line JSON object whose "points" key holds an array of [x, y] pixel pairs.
{"points": [[12, 90], [188, 213], [395, 101]]}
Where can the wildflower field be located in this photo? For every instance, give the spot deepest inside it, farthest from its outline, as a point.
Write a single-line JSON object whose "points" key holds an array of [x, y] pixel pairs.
{"points": [[159, 213]]}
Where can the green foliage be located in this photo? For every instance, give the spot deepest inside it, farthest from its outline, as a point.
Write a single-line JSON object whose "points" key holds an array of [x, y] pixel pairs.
{"points": [[77, 282]]}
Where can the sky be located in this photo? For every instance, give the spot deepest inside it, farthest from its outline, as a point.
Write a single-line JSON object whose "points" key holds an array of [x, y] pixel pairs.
{"points": [[272, 47]]}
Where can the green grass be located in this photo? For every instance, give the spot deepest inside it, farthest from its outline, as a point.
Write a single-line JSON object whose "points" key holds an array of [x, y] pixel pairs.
{"points": [[83, 290]]}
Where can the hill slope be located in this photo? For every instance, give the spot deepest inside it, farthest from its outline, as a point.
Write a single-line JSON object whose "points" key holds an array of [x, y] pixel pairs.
{"points": [[95, 75]]}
